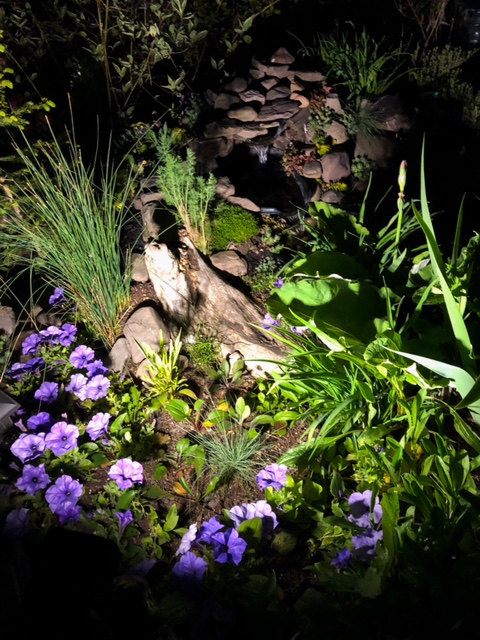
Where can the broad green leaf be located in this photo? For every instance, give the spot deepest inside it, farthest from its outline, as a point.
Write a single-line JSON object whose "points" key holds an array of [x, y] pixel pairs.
{"points": [[172, 518], [126, 499], [178, 409], [462, 380]]}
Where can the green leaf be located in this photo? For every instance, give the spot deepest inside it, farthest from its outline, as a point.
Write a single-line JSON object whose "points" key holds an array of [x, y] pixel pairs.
{"points": [[160, 472], [154, 492], [391, 513], [126, 499], [251, 531], [178, 409], [172, 518], [211, 486]]}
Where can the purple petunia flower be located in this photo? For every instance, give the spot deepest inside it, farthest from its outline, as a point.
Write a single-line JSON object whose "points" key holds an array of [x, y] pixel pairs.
{"points": [[97, 387], [29, 446], [69, 332], [364, 544], [51, 335], [64, 494], [229, 547], [42, 419], [96, 368], [17, 522], [77, 386], [359, 504], [189, 570], [31, 345], [187, 540], [33, 479], [299, 331], [81, 356], [342, 559], [259, 509], [69, 514], [98, 425], [47, 392], [62, 438], [57, 297], [125, 519], [274, 475], [125, 473], [208, 529], [269, 322], [17, 371], [35, 365], [278, 284]]}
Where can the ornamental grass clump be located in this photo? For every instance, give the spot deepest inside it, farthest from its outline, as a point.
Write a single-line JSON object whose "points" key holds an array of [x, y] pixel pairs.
{"points": [[66, 226]]}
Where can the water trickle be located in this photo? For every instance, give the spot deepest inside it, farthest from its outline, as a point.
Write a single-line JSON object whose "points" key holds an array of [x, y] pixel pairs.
{"points": [[261, 151]]}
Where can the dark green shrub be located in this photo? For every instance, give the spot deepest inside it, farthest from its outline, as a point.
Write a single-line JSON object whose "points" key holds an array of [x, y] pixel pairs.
{"points": [[232, 224]]}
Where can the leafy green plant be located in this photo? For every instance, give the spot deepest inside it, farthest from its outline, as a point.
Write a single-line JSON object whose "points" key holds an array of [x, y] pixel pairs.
{"points": [[362, 167], [438, 71], [188, 194], [264, 276], [163, 375], [67, 227], [16, 118], [363, 120], [203, 348], [367, 68], [231, 223]]}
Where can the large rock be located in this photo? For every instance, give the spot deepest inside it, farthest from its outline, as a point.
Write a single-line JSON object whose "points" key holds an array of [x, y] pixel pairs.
{"points": [[243, 112], [225, 100], [282, 56], [8, 321], [337, 132], [312, 170], [335, 166], [252, 95], [237, 85], [230, 262], [279, 92], [237, 131], [280, 109], [119, 356], [139, 270], [144, 326], [207, 151], [245, 203], [380, 149]]}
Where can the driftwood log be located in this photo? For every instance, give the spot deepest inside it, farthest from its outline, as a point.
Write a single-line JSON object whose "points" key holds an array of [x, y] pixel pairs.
{"points": [[193, 294]]}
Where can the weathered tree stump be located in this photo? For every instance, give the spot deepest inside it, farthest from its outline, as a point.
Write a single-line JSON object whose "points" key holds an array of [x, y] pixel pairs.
{"points": [[193, 294]]}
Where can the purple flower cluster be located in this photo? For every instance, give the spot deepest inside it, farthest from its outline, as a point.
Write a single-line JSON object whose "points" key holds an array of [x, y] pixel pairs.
{"points": [[64, 335], [19, 369], [126, 472], [228, 548], [62, 498], [269, 322], [260, 509], [364, 543], [274, 475], [95, 384]]}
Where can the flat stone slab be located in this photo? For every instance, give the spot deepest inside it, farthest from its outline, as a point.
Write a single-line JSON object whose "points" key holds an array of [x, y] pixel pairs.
{"points": [[280, 109]]}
